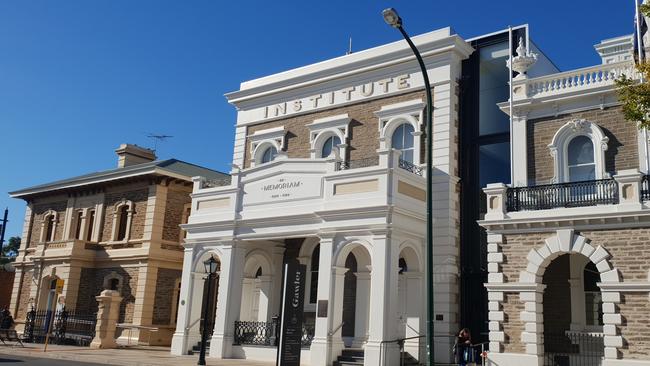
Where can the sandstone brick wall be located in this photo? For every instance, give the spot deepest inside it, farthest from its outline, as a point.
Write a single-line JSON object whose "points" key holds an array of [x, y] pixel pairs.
{"points": [[6, 287], [92, 284], [174, 205], [39, 214], [139, 198], [621, 154], [163, 302], [630, 250], [23, 300], [512, 324], [364, 130], [635, 310], [515, 248]]}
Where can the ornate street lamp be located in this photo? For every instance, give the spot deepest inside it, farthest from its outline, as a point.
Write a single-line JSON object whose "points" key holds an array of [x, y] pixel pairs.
{"points": [[211, 267], [393, 19]]}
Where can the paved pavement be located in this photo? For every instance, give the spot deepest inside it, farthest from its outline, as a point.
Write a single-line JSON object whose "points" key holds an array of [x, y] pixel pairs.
{"points": [[127, 356], [32, 361]]}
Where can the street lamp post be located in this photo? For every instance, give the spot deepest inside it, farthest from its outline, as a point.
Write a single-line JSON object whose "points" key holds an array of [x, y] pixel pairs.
{"points": [[393, 19], [211, 266]]}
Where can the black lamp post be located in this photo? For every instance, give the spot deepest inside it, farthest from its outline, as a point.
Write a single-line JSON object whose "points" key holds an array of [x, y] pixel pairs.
{"points": [[392, 18], [211, 266]]}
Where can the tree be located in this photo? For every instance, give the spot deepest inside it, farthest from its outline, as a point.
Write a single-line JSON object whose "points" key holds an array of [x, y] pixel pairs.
{"points": [[634, 95], [10, 250]]}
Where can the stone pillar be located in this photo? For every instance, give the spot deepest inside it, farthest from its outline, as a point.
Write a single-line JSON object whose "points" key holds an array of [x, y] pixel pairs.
{"points": [[520, 151], [361, 309], [229, 301], [264, 312], [145, 294], [383, 304], [629, 189], [321, 346], [107, 316], [276, 292], [533, 318], [414, 311], [180, 340]]}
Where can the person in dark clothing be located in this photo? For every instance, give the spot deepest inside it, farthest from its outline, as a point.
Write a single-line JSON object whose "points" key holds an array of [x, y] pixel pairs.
{"points": [[463, 349], [6, 320]]}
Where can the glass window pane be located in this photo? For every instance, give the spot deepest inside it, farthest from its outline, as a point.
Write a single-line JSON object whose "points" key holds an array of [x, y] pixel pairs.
{"points": [[398, 138], [407, 155], [581, 151], [329, 146], [582, 173], [269, 154], [494, 164], [493, 89]]}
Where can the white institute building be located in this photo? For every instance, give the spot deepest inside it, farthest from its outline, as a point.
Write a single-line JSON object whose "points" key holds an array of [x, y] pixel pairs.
{"points": [[328, 167]]}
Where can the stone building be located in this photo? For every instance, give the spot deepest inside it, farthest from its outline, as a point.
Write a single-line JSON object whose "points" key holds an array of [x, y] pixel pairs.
{"points": [[328, 170], [569, 240], [116, 229]]}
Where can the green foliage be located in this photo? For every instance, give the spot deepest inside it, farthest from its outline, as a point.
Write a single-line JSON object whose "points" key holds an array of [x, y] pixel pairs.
{"points": [[634, 95], [10, 250]]}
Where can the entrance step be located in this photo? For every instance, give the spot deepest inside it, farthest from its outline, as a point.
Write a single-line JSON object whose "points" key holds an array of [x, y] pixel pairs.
{"points": [[197, 348], [350, 357]]}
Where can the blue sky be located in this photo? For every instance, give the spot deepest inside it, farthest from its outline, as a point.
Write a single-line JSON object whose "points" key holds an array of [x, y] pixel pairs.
{"points": [[77, 78]]}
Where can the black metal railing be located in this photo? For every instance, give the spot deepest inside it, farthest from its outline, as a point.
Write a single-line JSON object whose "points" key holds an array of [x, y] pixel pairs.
{"points": [[408, 166], [68, 326], [573, 348], [266, 333], [356, 164], [574, 194], [645, 188]]}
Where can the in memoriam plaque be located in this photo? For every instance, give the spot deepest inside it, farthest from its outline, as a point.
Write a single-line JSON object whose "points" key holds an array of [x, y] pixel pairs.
{"points": [[292, 315]]}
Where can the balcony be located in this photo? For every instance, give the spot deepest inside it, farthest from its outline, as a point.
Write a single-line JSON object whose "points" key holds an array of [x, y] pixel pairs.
{"points": [[563, 195], [304, 194], [627, 191]]}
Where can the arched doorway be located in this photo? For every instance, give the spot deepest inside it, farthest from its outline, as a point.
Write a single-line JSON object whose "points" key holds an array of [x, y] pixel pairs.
{"points": [[354, 300], [409, 300], [572, 308], [256, 289]]}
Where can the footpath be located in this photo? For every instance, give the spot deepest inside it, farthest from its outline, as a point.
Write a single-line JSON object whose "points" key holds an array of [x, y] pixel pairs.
{"points": [[127, 356]]}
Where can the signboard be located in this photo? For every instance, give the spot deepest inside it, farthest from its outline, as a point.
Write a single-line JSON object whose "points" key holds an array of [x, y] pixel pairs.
{"points": [[284, 187], [292, 315], [59, 286]]}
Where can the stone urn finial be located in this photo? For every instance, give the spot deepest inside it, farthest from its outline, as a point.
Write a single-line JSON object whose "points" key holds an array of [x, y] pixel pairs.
{"points": [[523, 61]]}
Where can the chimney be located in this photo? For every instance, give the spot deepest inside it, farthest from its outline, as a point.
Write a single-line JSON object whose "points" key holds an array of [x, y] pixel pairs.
{"points": [[128, 154]]}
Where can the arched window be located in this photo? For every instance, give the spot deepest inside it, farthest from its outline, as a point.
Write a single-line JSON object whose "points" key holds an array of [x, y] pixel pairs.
{"points": [[123, 217], [313, 286], [269, 154], [329, 145], [580, 161], [114, 284], [259, 272], [402, 266], [49, 228], [403, 140]]}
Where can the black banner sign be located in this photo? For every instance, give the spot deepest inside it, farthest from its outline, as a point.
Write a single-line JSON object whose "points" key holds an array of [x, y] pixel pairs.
{"points": [[292, 315]]}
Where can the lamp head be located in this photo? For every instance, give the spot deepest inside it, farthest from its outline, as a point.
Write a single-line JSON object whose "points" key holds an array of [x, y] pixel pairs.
{"points": [[392, 18], [211, 265]]}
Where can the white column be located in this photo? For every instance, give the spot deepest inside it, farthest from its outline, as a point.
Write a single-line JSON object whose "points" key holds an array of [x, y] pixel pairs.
{"points": [[323, 345], [180, 341], [383, 304], [414, 311], [264, 312], [229, 302], [519, 151], [276, 292], [361, 309], [246, 299]]}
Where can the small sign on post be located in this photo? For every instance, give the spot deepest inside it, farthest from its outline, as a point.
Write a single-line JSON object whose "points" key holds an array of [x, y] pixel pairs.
{"points": [[59, 286], [292, 315]]}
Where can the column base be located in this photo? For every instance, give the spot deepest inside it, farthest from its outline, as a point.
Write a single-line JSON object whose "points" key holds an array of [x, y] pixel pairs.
{"points": [[221, 346], [324, 351], [381, 354], [182, 343]]}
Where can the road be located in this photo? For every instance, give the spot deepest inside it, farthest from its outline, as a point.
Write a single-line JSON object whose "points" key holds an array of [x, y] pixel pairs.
{"points": [[34, 361]]}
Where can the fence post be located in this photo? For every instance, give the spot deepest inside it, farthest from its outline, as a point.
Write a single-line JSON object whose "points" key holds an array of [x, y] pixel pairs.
{"points": [[107, 316], [30, 321]]}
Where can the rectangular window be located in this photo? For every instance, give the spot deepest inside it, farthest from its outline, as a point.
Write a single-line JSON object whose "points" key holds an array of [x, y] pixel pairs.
{"points": [[77, 234], [91, 224]]}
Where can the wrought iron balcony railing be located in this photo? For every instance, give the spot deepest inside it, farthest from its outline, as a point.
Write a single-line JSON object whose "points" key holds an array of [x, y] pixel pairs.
{"points": [[408, 166], [574, 194], [359, 163], [645, 188]]}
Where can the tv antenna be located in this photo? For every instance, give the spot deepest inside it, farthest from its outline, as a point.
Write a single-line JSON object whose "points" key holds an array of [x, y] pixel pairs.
{"points": [[349, 46], [158, 138]]}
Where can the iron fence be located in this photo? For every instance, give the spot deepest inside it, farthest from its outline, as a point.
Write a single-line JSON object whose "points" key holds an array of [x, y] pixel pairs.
{"points": [[574, 194], [408, 166], [356, 164], [645, 188], [68, 326], [574, 349], [266, 333]]}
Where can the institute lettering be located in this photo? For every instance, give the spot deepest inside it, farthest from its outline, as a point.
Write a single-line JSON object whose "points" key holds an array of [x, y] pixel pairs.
{"points": [[356, 92]]}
